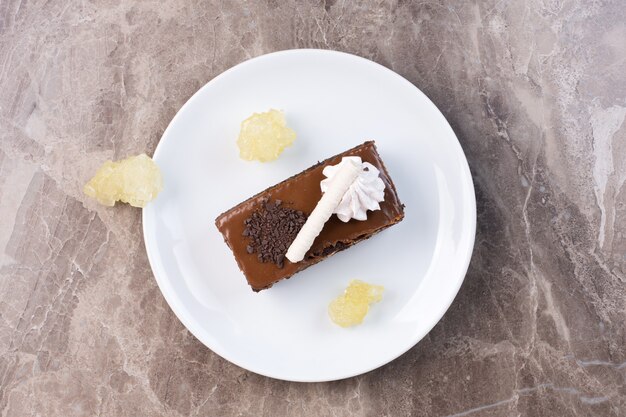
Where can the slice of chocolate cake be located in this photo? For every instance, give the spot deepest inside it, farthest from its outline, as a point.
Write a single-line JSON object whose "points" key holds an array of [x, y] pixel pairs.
{"points": [[260, 230]]}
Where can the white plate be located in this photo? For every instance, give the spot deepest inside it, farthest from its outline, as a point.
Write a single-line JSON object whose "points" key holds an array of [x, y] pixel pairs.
{"points": [[333, 101]]}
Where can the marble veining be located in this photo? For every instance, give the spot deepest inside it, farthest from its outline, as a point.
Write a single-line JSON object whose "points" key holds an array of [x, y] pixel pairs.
{"points": [[534, 89]]}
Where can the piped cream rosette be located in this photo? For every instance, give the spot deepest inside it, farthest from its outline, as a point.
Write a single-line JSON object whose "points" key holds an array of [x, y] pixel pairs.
{"points": [[364, 194]]}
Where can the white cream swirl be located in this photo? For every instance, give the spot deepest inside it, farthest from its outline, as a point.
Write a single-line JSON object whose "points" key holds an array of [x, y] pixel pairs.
{"points": [[364, 194]]}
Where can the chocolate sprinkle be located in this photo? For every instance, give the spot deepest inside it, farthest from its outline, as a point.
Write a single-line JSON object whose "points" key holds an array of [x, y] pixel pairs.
{"points": [[271, 229]]}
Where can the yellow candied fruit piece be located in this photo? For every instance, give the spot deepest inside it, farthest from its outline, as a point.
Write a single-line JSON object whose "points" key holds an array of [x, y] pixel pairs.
{"points": [[350, 308], [264, 136], [135, 180]]}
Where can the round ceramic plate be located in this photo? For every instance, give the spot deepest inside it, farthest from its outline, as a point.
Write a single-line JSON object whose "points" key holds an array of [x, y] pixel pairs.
{"points": [[333, 101]]}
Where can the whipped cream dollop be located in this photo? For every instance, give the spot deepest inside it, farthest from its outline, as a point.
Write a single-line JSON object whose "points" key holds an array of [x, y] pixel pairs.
{"points": [[364, 194]]}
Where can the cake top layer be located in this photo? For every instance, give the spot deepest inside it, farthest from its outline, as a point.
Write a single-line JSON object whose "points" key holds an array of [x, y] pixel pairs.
{"points": [[301, 193]]}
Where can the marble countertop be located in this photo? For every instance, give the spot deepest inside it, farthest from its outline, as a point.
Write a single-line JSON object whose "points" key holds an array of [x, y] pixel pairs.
{"points": [[536, 92]]}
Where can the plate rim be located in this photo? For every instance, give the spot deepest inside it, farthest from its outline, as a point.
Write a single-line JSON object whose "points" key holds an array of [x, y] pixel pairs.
{"points": [[467, 182]]}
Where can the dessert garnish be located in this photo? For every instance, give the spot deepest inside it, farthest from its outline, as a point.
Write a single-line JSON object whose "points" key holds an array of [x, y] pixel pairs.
{"points": [[344, 177], [135, 180], [264, 136], [364, 193], [350, 189], [351, 307], [271, 229]]}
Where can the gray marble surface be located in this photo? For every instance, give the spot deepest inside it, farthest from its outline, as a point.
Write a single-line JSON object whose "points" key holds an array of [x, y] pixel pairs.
{"points": [[536, 92]]}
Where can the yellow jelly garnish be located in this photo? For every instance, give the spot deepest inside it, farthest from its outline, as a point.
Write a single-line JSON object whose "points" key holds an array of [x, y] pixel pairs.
{"points": [[350, 308], [135, 180], [264, 136]]}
